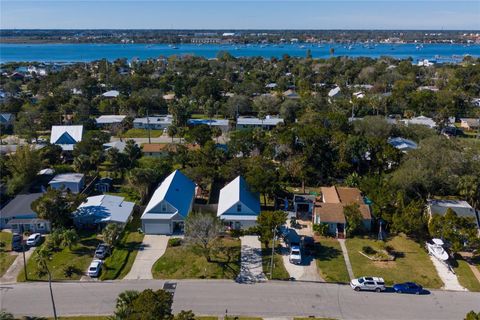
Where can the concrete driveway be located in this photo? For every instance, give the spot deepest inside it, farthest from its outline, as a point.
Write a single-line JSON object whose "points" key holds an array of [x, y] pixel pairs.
{"points": [[154, 247], [251, 269], [307, 271], [12, 272]]}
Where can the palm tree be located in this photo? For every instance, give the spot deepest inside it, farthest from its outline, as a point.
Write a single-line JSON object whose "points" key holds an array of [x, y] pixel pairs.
{"points": [[110, 233], [82, 163], [42, 257], [123, 305], [69, 238], [133, 151], [172, 131], [469, 187]]}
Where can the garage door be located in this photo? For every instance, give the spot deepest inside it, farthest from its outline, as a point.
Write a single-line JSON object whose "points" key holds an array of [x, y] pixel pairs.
{"points": [[157, 228]]}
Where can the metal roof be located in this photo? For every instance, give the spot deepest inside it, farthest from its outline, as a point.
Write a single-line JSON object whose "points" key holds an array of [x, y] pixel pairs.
{"points": [[237, 191], [105, 208]]}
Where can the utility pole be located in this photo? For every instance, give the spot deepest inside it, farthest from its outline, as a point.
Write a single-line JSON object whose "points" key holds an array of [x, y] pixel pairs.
{"points": [[24, 260], [273, 252]]}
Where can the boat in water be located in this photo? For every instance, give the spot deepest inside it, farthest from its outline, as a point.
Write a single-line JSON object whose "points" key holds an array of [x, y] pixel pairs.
{"points": [[435, 248]]}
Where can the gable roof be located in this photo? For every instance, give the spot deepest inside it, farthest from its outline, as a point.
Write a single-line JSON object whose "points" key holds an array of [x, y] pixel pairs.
{"points": [[67, 177], [237, 191], [177, 190], [108, 119], [66, 136], [20, 205], [105, 208], [111, 94], [342, 195], [5, 117]]}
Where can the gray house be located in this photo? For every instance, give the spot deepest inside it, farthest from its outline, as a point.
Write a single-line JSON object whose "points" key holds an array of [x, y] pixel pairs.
{"points": [[18, 215]]}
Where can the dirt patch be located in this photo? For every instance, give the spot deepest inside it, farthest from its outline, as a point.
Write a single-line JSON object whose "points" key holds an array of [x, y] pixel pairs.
{"points": [[384, 264]]}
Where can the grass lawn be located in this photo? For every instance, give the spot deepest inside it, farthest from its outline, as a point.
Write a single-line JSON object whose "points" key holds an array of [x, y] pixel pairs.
{"points": [[279, 271], [5, 241], [330, 262], [465, 275], [6, 259], [79, 257], [83, 318], [142, 133], [183, 262], [412, 262], [119, 263]]}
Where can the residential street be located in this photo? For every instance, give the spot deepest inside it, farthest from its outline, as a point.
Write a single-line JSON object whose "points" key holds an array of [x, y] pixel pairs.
{"points": [[270, 299]]}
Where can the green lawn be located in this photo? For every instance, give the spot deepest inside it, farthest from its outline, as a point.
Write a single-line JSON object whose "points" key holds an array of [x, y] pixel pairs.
{"points": [[119, 263], [6, 259], [330, 262], [5, 241], [279, 271], [412, 262], [183, 262], [79, 257], [465, 275], [142, 133]]}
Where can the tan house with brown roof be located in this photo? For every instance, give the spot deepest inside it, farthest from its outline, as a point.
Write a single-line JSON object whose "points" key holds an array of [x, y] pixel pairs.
{"points": [[330, 209]]}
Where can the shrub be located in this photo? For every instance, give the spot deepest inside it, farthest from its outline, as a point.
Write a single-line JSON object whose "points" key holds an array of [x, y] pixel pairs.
{"points": [[321, 229], [174, 242], [236, 233], [69, 270], [368, 250]]}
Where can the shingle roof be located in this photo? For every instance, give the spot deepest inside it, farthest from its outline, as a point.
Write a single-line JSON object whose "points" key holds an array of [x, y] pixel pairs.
{"points": [[177, 190], [237, 191], [20, 205], [330, 212]]}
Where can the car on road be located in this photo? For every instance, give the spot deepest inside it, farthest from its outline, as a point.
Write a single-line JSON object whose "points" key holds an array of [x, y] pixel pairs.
{"points": [[102, 251], [34, 239], [295, 255], [408, 287], [95, 268], [368, 284], [17, 242]]}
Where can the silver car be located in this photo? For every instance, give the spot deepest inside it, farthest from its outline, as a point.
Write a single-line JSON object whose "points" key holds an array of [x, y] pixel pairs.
{"points": [[368, 284]]}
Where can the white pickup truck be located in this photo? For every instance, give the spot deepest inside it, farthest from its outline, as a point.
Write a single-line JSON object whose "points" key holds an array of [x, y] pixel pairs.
{"points": [[295, 255]]}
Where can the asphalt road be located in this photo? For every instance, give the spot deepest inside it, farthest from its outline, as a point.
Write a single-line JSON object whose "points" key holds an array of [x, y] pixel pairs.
{"points": [[214, 297]]}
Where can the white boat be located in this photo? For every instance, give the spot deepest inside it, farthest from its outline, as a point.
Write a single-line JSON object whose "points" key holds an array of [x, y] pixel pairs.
{"points": [[435, 248]]}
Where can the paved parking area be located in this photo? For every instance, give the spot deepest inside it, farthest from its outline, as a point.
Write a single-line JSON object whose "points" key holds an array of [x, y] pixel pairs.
{"points": [[154, 247], [12, 272], [251, 269], [307, 271]]}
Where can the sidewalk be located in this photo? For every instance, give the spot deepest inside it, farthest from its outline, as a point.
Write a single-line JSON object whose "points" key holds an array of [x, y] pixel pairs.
{"points": [[11, 274], [346, 258]]}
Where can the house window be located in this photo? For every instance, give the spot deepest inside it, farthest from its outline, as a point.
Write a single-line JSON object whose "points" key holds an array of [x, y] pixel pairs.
{"points": [[164, 207], [239, 207]]}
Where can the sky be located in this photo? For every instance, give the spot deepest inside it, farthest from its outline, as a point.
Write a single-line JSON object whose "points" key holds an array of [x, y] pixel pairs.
{"points": [[240, 14]]}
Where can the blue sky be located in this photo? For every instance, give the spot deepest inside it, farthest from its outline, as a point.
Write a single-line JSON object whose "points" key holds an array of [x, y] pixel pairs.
{"points": [[240, 14]]}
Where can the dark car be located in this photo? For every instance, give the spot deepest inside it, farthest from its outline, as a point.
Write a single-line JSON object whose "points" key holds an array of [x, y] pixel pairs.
{"points": [[408, 287], [17, 242], [102, 251]]}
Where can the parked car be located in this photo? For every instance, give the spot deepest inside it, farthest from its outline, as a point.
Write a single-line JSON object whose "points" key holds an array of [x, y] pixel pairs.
{"points": [[368, 284], [95, 268], [34, 239], [17, 242], [408, 287], [102, 251], [295, 255]]}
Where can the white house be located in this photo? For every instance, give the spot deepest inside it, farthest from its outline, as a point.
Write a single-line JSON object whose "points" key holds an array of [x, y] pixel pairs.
{"points": [[103, 209], [68, 181], [111, 94], [66, 136], [158, 123], [108, 120], [19, 207], [169, 206], [222, 124], [238, 207], [335, 92], [6, 119], [421, 120], [250, 122], [462, 208]]}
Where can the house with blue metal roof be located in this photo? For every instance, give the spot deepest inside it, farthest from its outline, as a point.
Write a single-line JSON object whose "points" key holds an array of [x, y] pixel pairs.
{"points": [[170, 205], [238, 206]]}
